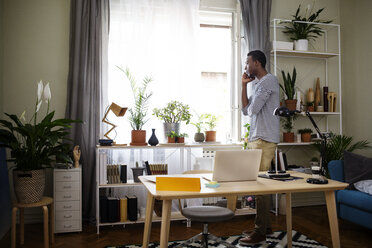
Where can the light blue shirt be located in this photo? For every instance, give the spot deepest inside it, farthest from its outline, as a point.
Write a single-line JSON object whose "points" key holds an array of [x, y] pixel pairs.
{"points": [[261, 105]]}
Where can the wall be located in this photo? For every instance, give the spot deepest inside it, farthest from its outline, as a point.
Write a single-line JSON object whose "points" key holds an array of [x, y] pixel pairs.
{"points": [[356, 67], [1, 59]]}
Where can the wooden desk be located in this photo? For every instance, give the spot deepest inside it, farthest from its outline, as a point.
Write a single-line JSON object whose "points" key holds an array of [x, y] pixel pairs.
{"points": [[233, 189]]}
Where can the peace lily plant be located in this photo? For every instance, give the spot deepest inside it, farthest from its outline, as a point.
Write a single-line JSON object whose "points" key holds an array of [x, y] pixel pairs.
{"points": [[35, 144]]}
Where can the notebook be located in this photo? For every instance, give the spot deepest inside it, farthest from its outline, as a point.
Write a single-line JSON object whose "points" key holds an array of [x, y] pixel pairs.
{"points": [[240, 165]]}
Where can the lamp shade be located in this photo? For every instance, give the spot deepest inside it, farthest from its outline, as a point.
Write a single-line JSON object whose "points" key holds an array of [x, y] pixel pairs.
{"points": [[117, 110]]}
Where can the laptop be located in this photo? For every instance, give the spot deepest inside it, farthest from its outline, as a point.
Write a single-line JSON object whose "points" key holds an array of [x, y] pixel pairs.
{"points": [[240, 165]]}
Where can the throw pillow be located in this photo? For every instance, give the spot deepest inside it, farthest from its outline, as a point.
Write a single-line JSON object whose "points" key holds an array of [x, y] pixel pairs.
{"points": [[364, 186], [356, 168]]}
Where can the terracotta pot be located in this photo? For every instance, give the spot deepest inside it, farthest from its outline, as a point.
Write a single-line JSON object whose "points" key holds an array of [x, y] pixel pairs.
{"points": [[171, 140], [306, 137], [29, 185], [138, 138], [310, 108], [288, 137], [291, 104], [181, 140], [210, 136]]}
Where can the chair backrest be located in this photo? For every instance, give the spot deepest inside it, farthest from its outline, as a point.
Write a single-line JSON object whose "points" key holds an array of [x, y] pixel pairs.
{"points": [[336, 170]]}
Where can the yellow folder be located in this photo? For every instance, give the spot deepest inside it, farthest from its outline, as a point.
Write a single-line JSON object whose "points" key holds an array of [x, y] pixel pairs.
{"points": [[178, 183]]}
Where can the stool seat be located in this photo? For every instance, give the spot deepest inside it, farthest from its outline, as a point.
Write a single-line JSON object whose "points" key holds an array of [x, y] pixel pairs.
{"points": [[208, 213], [45, 201]]}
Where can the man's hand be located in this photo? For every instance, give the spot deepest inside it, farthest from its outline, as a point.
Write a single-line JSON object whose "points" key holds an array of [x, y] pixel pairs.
{"points": [[246, 79]]}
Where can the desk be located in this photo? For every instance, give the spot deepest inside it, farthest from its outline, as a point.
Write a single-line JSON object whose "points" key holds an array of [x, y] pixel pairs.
{"points": [[233, 189]]}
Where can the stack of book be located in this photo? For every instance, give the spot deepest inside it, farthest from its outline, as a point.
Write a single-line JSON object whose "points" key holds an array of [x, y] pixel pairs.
{"points": [[114, 209], [113, 175], [156, 169], [282, 161]]}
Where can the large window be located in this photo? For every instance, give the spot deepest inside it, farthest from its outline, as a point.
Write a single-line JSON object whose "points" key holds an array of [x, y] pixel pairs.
{"points": [[188, 54]]}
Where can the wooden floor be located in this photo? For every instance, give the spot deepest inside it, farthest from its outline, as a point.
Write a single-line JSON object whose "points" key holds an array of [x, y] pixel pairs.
{"points": [[311, 221]]}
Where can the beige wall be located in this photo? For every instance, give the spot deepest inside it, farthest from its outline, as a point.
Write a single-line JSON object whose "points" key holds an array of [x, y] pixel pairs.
{"points": [[35, 47], [356, 47]]}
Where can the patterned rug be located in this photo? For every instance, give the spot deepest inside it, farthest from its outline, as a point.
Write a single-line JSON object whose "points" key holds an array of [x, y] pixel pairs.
{"points": [[277, 239]]}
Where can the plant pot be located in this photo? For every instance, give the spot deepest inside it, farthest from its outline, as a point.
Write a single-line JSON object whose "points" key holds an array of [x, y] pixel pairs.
{"points": [[301, 45], [169, 127], [210, 136], [199, 137], [171, 140], [310, 108], [288, 137], [291, 104], [29, 185], [306, 137], [138, 138], [136, 173], [181, 140]]}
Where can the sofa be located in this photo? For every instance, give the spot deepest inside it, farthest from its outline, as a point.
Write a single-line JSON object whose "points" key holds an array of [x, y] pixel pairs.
{"points": [[352, 205]]}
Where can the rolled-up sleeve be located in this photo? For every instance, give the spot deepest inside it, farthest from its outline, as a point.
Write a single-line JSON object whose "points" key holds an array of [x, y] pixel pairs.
{"points": [[245, 109], [262, 94]]}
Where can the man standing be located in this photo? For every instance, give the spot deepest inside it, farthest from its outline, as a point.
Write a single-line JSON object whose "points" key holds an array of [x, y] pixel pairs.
{"points": [[264, 132]]}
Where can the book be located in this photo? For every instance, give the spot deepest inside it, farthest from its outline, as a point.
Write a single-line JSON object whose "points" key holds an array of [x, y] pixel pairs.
{"points": [[132, 207], [147, 166], [113, 209], [282, 166], [285, 161], [123, 209], [103, 210]]}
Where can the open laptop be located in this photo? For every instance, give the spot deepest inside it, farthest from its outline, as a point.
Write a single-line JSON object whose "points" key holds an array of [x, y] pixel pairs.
{"points": [[240, 165]]}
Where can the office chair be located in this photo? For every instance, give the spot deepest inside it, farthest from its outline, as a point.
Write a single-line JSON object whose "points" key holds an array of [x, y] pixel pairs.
{"points": [[205, 215]]}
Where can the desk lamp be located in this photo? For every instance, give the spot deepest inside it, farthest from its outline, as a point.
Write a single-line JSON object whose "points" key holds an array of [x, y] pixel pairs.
{"points": [[118, 111], [285, 112]]}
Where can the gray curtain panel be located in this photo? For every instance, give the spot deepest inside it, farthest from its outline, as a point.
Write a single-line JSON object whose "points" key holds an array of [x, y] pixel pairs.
{"points": [[256, 20], [89, 26]]}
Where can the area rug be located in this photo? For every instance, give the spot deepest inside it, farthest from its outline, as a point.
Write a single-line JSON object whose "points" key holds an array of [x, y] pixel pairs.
{"points": [[277, 239]]}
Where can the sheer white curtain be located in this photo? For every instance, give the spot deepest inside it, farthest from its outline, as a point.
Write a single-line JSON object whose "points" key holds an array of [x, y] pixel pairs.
{"points": [[157, 38]]}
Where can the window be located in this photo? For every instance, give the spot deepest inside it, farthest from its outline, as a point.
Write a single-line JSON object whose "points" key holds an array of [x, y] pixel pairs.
{"points": [[189, 56]]}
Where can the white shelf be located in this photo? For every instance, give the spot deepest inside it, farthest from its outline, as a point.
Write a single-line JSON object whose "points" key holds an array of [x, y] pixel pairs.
{"points": [[170, 146], [305, 54], [119, 185], [321, 113], [295, 143]]}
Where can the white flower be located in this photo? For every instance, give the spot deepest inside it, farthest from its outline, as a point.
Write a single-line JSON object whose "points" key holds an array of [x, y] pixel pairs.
{"points": [[22, 117], [47, 93], [40, 87], [38, 106]]}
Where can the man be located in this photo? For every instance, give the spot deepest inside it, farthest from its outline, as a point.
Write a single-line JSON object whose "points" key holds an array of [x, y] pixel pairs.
{"points": [[264, 132]]}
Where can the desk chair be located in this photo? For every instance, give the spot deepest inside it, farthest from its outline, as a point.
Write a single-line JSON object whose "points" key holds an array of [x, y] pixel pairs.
{"points": [[205, 215]]}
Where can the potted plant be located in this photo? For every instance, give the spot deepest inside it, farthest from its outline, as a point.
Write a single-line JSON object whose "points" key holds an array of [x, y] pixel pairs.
{"points": [[310, 106], [34, 146], [172, 137], [181, 137], [138, 113], [301, 31], [211, 121], [199, 136], [137, 171], [246, 136], [305, 134], [172, 115], [289, 89], [288, 135]]}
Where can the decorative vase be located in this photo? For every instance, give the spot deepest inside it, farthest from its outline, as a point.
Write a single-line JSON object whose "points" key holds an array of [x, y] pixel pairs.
{"points": [[288, 137], [29, 185], [153, 141], [325, 98], [138, 138], [137, 171], [301, 45], [199, 137], [169, 127], [291, 104], [306, 137], [210, 136]]}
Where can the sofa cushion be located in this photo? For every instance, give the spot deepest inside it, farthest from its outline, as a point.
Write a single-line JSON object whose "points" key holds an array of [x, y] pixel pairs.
{"points": [[355, 199], [356, 168]]}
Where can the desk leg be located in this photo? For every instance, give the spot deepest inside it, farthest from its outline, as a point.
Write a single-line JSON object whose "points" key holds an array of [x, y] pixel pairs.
{"points": [[22, 225], [231, 202], [51, 223], [165, 223], [14, 224], [148, 220], [332, 217], [46, 227], [289, 219]]}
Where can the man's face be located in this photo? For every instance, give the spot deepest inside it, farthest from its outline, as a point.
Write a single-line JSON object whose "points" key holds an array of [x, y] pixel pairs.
{"points": [[251, 66]]}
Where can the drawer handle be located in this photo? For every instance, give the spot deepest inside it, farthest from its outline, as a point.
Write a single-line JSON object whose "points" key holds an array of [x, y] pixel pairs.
{"points": [[67, 196], [66, 177], [69, 226], [67, 206], [67, 187], [67, 216]]}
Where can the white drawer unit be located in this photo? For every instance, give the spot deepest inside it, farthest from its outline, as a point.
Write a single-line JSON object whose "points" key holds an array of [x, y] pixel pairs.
{"points": [[67, 200]]}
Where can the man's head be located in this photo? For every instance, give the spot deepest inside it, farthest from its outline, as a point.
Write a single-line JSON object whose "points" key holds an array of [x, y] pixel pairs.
{"points": [[256, 61]]}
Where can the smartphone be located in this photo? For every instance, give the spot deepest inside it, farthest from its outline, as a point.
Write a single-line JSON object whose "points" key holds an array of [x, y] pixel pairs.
{"points": [[249, 75]]}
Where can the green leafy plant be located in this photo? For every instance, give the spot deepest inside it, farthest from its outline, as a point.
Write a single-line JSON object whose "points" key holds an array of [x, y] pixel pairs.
{"points": [[210, 120], [289, 84], [248, 127], [173, 134], [305, 130], [310, 104], [337, 144], [138, 113], [183, 135], [199, 124], [288, 123], [35, 145], [174, 112], [299, 30]]}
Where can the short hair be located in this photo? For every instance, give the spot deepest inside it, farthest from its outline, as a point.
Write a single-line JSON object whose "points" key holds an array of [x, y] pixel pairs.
{"points": [[258, 55]]}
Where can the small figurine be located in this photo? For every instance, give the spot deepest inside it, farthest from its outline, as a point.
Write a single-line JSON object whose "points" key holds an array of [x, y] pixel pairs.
{"points": [[76, 152]]}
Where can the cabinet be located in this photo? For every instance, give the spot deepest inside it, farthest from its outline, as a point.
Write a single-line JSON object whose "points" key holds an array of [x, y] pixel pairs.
{"points": [[67, 200]]}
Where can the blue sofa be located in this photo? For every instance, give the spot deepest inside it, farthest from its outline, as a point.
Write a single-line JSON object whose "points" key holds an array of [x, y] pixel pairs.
{"points": [[352, 205]]}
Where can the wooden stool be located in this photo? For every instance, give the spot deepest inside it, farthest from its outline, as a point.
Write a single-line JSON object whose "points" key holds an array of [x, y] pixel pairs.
{"points": [[21, 206]]}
